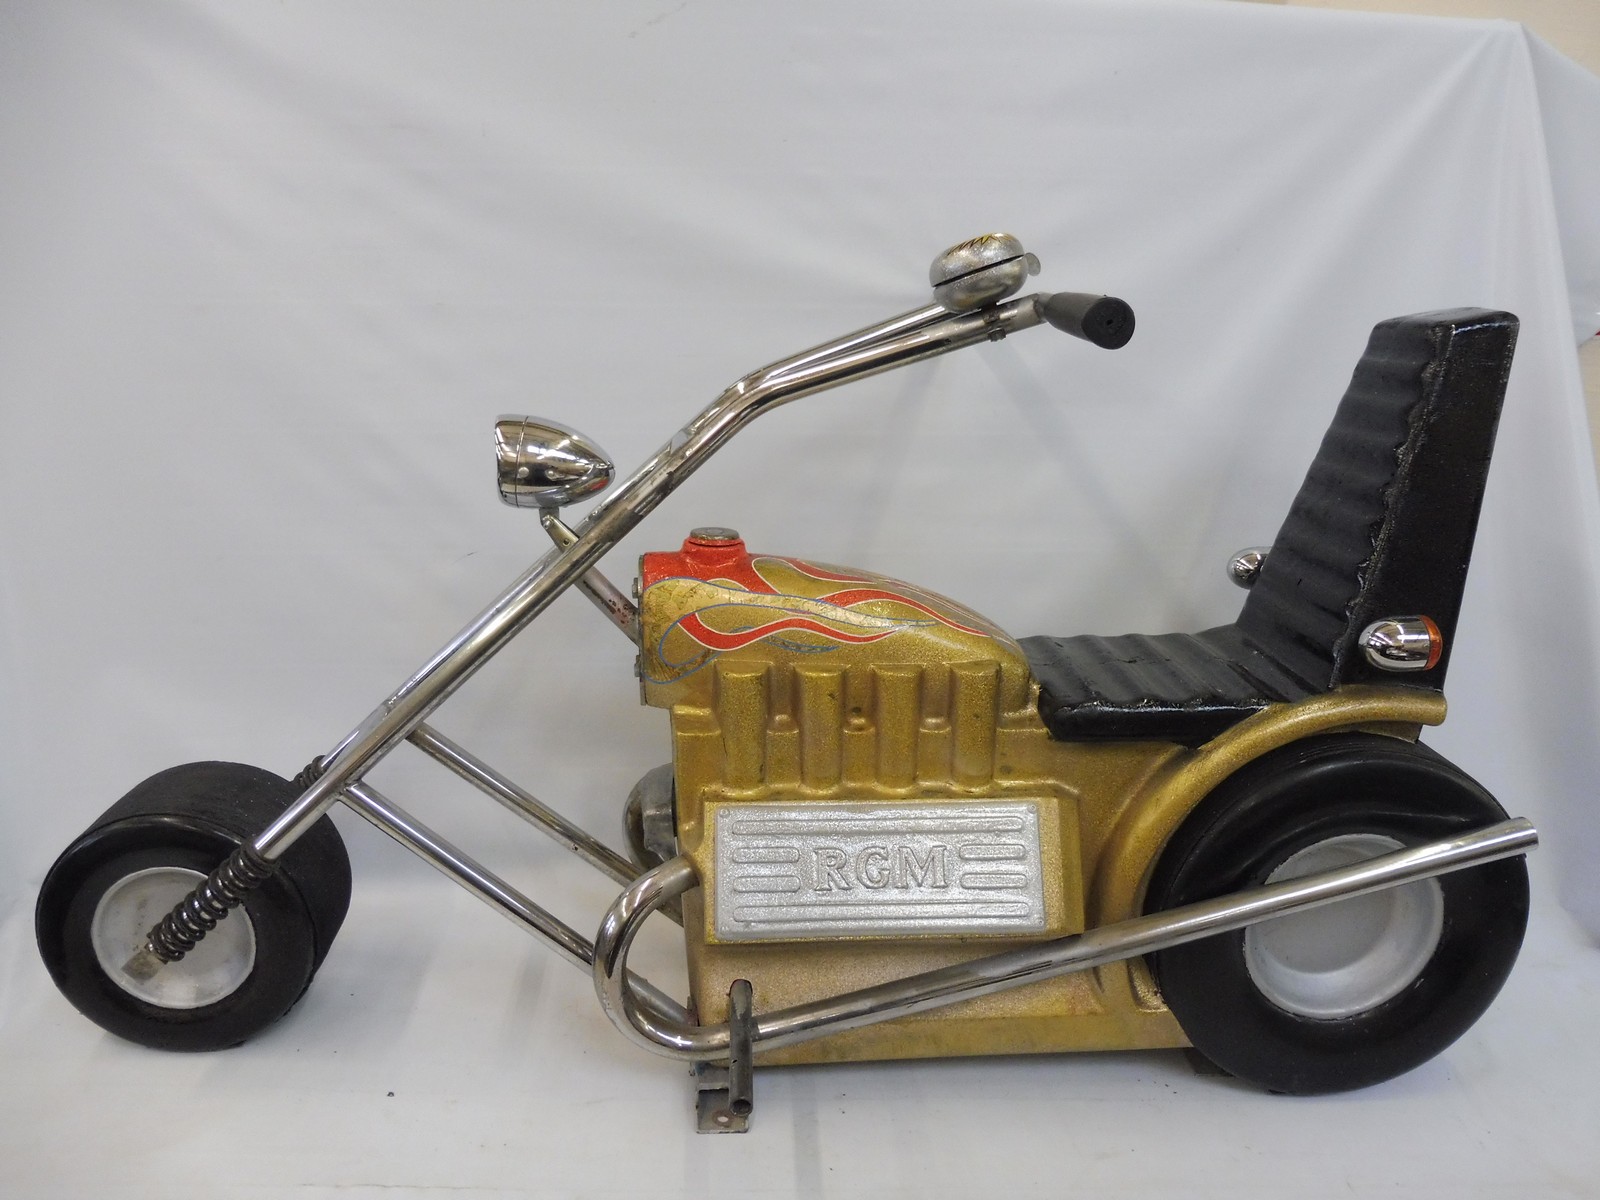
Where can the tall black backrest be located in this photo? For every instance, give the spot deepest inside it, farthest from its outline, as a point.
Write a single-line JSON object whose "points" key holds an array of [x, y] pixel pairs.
{"points": [[1383, 525]]}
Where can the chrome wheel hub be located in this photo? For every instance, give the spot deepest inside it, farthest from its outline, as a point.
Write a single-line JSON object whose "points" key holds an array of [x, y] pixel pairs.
{"points": [[211, 971], [1344, 958]]}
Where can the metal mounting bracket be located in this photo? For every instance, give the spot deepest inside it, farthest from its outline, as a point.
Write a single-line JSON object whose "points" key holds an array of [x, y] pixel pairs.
{"points": [[713, 1113], [725, 1092]]}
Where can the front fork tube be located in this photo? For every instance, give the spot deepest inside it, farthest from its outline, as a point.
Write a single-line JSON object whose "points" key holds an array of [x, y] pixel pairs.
{"points": [[384, 728]]}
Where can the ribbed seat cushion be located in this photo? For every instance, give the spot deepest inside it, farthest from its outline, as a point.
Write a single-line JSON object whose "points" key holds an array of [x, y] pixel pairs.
{"points": [[1170, 687], [1382, 527]]}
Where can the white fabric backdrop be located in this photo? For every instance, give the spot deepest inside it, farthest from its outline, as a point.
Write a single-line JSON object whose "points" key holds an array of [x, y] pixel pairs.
{"points": [[270, 271], [1569, 103]]}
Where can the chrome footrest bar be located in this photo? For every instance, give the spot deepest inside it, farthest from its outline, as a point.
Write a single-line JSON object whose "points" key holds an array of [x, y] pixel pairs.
{"points": [[427, 845], [1013, 968], [489, 781]]}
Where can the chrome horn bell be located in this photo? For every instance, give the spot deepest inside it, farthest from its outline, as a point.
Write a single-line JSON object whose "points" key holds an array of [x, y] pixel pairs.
{"points": [[541, 464], [982, 270]]}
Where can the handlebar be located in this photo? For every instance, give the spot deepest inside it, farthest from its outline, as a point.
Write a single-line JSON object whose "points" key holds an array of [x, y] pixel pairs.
{"points": [[982, 271], [911, 337], [1103, 320]]}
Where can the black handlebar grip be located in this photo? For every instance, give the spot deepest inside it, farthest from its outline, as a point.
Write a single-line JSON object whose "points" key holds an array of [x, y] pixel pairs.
{"points": [[1103, 320]]}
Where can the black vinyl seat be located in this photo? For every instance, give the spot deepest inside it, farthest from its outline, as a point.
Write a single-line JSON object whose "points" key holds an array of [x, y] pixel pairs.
{"points": [[1170, 687], [1382, 527]]}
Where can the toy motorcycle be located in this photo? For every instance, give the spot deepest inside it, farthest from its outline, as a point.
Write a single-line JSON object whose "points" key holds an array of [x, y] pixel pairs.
{"points": [[889, 829]]}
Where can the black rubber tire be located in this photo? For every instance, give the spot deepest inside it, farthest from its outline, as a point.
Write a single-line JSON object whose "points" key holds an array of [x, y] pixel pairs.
{"points": [[194, 816], [1288, 800]]}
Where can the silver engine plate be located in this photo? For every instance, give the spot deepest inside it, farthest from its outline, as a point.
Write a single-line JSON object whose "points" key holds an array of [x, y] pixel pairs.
{"points": [[877, 870]]}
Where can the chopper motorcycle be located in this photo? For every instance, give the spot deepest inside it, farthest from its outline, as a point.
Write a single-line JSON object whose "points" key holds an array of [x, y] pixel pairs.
{"points": [[889, 829]]}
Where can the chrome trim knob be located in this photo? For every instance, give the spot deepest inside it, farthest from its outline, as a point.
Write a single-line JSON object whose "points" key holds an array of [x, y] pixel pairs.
{"points": [[1244, 568], [714, 533], [980, 271], [1402, 643], [542, 464]]}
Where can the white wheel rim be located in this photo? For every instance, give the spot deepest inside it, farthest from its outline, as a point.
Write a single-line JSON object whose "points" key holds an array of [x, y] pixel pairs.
{"points": [[211, 971], [1345, 958]]}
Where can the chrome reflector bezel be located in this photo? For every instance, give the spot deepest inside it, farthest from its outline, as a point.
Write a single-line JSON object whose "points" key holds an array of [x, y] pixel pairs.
{"points": [[543, 464]]}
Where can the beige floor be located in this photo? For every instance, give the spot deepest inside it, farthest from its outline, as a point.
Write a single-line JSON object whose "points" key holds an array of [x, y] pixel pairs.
{"points": [[1572, 27]]}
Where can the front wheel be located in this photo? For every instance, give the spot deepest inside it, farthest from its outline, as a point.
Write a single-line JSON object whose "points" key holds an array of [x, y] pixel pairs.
{"points": [[144, 855], [1355, 992]]}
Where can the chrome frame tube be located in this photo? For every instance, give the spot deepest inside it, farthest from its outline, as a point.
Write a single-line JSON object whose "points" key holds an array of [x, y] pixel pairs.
{"points": [[911, 338], [1012, 968], [522, 802], [438, 853], [906, 322], [602, 593]]}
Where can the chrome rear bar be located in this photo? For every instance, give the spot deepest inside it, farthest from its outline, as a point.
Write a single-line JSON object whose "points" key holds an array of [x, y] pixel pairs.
{"points": [[643, 1024]]}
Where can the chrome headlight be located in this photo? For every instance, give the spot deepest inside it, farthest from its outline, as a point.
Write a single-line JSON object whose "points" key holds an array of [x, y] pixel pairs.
{"points": [[545, 465]]}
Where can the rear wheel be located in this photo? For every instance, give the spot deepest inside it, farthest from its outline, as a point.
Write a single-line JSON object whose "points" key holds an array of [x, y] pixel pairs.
{"points": [[146, 853], [1358, 991]]}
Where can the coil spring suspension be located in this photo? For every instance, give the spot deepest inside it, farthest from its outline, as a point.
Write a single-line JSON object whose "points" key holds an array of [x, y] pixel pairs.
{"points": [[309, 773], [224, 890]]}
